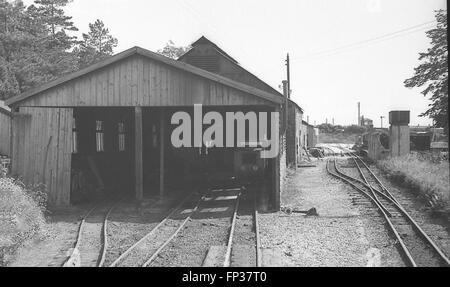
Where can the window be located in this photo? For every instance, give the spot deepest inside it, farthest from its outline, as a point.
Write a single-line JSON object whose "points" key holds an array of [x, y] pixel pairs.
{"points": [[74, 136], [121, 127], [99, 135], [154, 136]]}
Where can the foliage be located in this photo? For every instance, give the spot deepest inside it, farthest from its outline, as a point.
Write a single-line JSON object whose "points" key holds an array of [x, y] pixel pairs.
{"points": [[433, 73], [36, 45], [355, 129], [329, 128], [326, 128], [21, 216], [338, 138], [52, 18], [429, 178], [97, 45], [172, 51]]}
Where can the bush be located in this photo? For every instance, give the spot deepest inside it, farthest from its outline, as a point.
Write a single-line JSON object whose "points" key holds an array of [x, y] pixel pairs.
{"points": [[429, 178], [21, 215], [354, 129]]}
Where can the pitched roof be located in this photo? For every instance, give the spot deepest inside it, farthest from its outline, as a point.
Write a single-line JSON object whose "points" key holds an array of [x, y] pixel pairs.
{"points": [[154, 56], [5, 111], [307, 124], [204, 40], [296, 105]]}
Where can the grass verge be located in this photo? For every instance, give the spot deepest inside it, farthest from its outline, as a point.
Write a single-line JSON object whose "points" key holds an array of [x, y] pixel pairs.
{"points": [[428, 178], [346, 138], [22, 216]]}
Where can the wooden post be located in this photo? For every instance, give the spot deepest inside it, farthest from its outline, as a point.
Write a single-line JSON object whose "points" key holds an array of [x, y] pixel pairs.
{"points": [[139, 186], [276, 167], [277, 180], [161, 153]]}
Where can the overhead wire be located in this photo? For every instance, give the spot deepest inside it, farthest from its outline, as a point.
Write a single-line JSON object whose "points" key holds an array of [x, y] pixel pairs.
{"points": [[375, 40]]}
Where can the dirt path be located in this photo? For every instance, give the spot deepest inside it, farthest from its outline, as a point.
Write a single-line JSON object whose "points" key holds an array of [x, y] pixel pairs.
{"points": [[345, 233], [52, 250]]}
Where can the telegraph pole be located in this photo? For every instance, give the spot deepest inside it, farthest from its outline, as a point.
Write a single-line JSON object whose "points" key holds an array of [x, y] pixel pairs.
{"points": [[288, 75], [286, 101], [287, 92], [359, 114]]}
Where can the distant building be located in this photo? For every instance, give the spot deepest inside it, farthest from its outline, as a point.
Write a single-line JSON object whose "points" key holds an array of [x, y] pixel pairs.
{"points": [[366, 122], [311, 135]]}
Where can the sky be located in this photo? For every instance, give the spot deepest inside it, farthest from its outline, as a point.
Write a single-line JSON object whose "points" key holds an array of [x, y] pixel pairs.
{"points": [[326, 81]]}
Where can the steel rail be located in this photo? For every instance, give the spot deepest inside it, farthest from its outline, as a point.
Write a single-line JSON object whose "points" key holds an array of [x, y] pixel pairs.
{"points": [[80, 230], [103, 234], [378, 181], [257, 239], [361, 182], [147, 263], [357, 180], [227, 260], [381, 210], [371, 188], [389, 197], [151, 232]]}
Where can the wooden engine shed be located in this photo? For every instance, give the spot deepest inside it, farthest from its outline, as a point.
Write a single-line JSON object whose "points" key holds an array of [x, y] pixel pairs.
{"points": [[5, 132], [114, 117]]}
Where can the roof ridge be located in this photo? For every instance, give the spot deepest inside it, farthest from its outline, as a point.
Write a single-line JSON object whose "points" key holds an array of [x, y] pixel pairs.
{"points": [[155, 56]]}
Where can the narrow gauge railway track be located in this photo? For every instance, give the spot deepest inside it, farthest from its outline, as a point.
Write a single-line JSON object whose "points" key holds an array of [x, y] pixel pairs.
{"points": [[130, 222], [215, 213], [243, 247], [415, 245], [91, 242], [367, 174], [143, 250]]}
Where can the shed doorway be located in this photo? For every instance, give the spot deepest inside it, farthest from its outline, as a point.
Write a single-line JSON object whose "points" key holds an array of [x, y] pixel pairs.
{"points": [[102, 154]]}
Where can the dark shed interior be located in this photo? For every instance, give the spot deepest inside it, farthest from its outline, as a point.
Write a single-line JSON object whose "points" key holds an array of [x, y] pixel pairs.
{"points": [[103, 154]]}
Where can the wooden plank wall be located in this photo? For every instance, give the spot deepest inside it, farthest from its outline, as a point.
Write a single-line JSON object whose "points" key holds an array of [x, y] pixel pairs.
{"points": [[5, 133], [42, 149], [140, 81]]}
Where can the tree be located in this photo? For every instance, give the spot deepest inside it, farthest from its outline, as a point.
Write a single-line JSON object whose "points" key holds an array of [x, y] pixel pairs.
{"points": [[433, 73], [18, 39], [172, 51], [8, 82], [52, 16], [35, 46], [97, 45]]}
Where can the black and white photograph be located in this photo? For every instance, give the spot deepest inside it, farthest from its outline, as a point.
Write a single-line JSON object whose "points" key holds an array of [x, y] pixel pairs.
{"points": [[236, 134]]}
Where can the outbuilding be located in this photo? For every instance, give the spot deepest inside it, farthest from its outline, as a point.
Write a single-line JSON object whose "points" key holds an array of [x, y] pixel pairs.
{"points": [[5, 131], [115, 119]]}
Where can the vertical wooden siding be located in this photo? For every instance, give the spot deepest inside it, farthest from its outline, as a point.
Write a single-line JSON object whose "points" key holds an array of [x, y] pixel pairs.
{"points": [[5, 136], [42, 139], [139, 81]]}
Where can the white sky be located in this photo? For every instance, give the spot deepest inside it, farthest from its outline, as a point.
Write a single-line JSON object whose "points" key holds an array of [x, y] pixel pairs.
{"points": [[258, 34]]}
